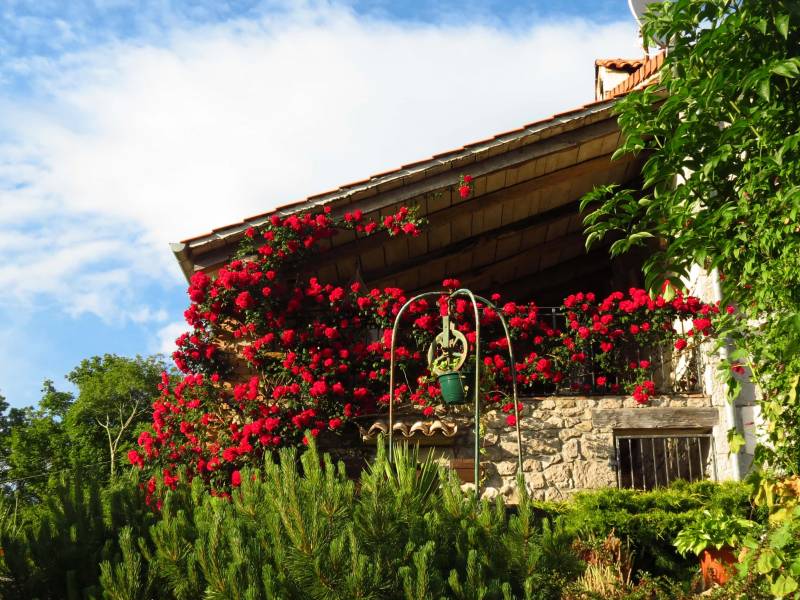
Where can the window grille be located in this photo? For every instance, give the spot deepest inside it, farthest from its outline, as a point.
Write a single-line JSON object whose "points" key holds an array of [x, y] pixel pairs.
{"points": [[647, 461]]}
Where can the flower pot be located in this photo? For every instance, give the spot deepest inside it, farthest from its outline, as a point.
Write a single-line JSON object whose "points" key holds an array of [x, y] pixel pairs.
{"points": [[452, 386], [717, 565]]}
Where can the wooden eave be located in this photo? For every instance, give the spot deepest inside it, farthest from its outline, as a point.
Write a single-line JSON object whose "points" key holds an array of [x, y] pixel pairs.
{"points": [[522, 218]]}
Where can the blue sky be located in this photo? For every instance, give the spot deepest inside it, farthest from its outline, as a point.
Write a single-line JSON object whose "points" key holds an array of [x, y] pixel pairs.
{"points": [[127, 125]]}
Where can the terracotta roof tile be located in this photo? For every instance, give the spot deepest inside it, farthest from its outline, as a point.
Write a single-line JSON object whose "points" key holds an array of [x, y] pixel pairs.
{"points": [[619, 64], [643, 75]]}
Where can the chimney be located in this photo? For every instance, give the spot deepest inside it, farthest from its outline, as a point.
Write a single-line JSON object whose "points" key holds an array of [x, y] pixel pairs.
{"points": [[610, 72]]}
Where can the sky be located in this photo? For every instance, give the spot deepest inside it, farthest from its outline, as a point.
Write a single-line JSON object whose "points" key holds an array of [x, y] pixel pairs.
{"points": [[126, 125]]}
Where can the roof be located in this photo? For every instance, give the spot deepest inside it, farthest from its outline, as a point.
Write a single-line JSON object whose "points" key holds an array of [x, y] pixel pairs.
{"points": [[619, 64], [521, 223], [469, 153], [424, 431], [644, 75]]}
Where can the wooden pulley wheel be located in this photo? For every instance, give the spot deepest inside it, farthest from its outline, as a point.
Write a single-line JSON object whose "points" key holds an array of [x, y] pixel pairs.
{"points": [[456, 347]]}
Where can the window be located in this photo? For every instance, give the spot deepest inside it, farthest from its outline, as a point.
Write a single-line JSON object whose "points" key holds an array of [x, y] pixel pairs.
{"points": [[647, 461]]}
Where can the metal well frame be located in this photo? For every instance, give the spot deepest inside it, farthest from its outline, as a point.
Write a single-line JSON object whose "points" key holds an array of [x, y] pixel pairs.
{"points": [[474, 299]]}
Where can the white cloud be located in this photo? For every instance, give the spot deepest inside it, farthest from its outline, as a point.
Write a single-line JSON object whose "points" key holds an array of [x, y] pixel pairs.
{"points": [[130, 146], [166, 337]]}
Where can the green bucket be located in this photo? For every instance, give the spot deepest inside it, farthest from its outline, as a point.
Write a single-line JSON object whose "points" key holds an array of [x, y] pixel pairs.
{"points": [[452, 388]]}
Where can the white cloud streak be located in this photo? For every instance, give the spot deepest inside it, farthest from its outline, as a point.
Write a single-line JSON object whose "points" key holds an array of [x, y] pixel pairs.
{"points": [[130, 146]]}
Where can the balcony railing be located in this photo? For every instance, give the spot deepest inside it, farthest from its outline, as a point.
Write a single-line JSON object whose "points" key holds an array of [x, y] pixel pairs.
{"points": [[672, 372]]}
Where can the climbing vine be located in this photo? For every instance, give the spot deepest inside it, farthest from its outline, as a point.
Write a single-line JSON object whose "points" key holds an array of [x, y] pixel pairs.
{"points": [[721, 135]]}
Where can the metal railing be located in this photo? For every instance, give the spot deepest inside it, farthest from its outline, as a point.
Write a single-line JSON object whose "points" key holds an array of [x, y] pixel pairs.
{"points": [[672, 372], [648, 461]]}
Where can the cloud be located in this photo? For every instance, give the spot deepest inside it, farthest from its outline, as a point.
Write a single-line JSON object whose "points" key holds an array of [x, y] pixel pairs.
{"points": [[126, 146], [166, 337]]}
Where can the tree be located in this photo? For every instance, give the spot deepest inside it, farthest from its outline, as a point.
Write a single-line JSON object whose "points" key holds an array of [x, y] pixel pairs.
{"points": [[724, 125], [114, 396], [9, 418], [38, 444]]}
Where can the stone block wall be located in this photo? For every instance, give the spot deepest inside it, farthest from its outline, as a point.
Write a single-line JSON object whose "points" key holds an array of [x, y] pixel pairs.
{"points": [[568, 442]]}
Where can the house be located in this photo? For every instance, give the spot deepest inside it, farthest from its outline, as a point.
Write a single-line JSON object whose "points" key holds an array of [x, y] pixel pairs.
{"points": [[521, 233]]}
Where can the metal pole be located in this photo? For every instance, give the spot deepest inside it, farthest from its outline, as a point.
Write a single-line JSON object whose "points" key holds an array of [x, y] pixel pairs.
{"points": [[391, 366], [477, 391]]}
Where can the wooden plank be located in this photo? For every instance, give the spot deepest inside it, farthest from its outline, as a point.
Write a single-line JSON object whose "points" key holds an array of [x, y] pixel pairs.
{"points": [[505, 266], [438, 237], [438, 200], [487, 255], [478, 187], [327, 273], [557, 229], [509, 245], [373, 259], [396, 250], [346, 269], [534, 237], [492, 216], [561, 160], [655, 417], [543, 282], [598, 165], [418, 245], [549, 258], [461, 227], [512, 176], [508, 236], [507, 214], [477, 222], [495, 181]]}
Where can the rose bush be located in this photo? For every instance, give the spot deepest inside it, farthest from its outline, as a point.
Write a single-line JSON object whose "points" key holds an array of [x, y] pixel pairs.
{"points": [[274, 354]]}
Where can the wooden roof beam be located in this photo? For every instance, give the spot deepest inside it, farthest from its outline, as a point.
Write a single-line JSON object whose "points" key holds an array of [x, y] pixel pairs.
{"points": [[514, 158], [475, 242], [487, 201]]}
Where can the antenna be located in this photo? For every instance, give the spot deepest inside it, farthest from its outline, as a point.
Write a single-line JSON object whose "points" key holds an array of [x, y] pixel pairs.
{"points": [[638, 8]]}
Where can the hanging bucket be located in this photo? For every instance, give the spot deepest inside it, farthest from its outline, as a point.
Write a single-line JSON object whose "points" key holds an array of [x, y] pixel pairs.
{"points": [[452, 388]]}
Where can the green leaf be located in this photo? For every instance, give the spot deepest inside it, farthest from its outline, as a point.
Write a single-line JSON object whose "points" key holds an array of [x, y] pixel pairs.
{"points": [[787, 68], [783, 586], [735, 441], [768, 561], [782, 24], [763, 88]]}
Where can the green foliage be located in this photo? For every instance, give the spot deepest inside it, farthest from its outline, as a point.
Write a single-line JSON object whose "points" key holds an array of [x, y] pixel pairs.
{"points": [[37, 442], [56, 547], [721, 138], [769, 564], [650, 521], [298, 528], [90, 432], [712, 529], [114, 396]]}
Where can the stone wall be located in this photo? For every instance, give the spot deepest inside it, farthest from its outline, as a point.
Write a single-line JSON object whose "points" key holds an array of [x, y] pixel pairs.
{"points": [[568, 442]]}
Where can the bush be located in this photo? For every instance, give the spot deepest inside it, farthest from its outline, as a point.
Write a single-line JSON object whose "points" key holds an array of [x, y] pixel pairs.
{"points": [[651, 520], [296, 529]]}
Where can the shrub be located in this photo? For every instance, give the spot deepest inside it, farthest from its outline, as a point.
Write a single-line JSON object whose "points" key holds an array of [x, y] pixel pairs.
{"points": [[650, 521]]}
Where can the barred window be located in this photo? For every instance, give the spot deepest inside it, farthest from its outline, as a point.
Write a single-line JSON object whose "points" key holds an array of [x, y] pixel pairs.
{"points": [[647, 461]]}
